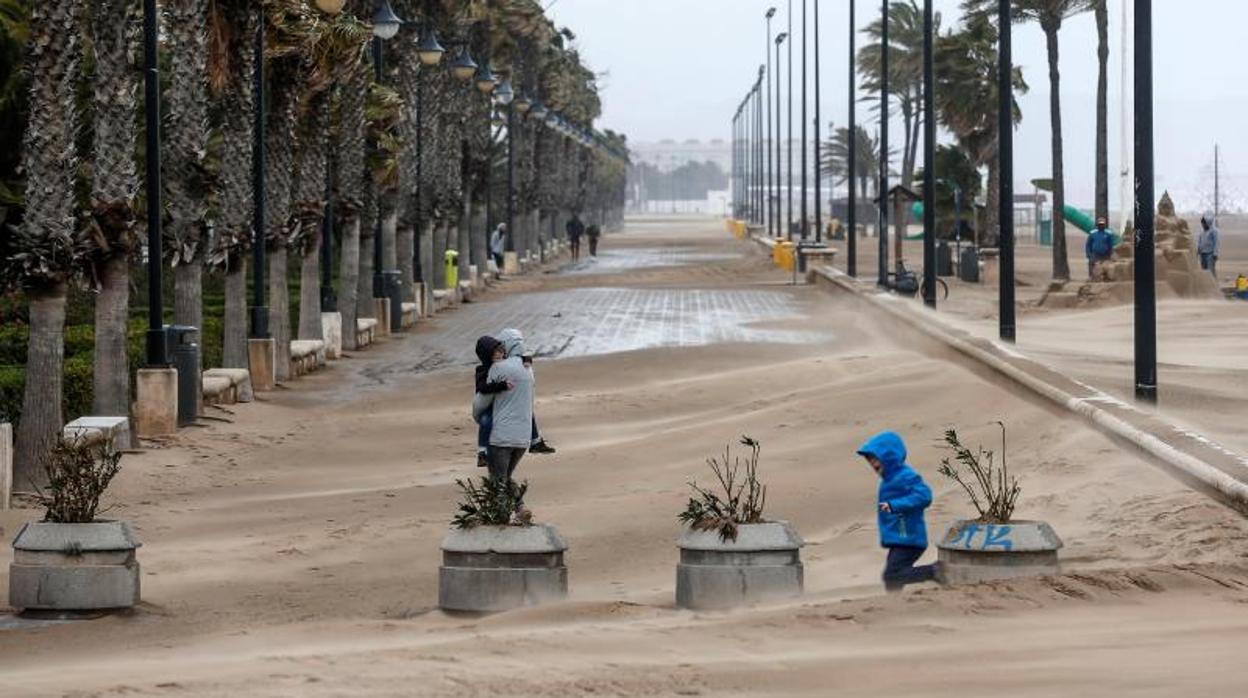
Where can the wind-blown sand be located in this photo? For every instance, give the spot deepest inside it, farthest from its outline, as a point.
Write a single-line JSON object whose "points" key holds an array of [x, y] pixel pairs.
{"points": [[294, 551]]}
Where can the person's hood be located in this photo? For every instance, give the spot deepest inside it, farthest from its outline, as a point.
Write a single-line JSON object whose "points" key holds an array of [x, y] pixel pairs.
{"points": [[513, 342], [485, 349], [888, 448]]}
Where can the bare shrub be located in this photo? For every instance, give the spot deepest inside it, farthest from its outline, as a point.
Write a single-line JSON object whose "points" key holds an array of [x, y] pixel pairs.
{"points": [[992, 490], [78, 475], [739, 499]]}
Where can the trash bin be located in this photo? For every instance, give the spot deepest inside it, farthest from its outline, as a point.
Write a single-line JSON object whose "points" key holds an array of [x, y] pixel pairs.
{"points": [[186, 361], [944, 259], [968, 266], [452, 270], [392, 289], [1046, 233]]}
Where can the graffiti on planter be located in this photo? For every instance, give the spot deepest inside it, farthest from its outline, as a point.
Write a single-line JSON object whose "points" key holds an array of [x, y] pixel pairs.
{"points": [[999, 537]]}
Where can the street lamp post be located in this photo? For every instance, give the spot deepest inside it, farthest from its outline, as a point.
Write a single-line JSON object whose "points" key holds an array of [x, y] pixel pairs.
{"points": [[386, 26], [803, 223], [882, 217], [929, 163], [779, 153], [329, 299], [157, 340], [259, 309], [1005, 146], [851, 176], [505, 95], [789, 190], [818, 166], [771, 202], [1145, 221]]}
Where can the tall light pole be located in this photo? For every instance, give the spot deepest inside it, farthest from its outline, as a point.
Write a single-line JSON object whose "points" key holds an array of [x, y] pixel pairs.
{"points": [[818, 144], [929, 162], [851, 217], [805, 145], [762, 137], [882, 217], [329, 299], [771, 171], [157, 340], [259, 309], [789, 190], [1145, 221], [779, 153], [1005, 146]]}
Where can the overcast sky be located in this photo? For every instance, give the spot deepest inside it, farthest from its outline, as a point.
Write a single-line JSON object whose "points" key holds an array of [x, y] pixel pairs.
{"points": [[678, 68]]}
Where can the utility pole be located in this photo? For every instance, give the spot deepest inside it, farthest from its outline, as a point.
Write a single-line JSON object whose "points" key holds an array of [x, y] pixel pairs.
{"points": [[851, 175], [818, 166], [882, 217], [929, 162]]}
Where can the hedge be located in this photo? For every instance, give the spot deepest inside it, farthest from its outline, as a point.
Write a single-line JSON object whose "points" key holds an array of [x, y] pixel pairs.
{"points": [[77, 390]]}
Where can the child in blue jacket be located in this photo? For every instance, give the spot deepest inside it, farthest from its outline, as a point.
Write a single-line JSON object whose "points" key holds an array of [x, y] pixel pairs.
{"points": [[903, 497]]}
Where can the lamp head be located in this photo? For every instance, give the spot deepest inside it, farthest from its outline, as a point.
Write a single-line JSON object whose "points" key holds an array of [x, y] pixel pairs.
{"points": [[428, 48], [780, 39], [385, 22], [771, 13], [485, 79], [330, 7], [463, 67]]}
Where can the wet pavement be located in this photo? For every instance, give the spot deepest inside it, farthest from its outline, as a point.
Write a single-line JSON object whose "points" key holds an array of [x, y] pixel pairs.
{"points": [[616, 261]]}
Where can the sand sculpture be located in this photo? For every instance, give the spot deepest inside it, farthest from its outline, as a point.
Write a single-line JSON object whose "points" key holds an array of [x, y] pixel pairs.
{"points": [[1178, 269]]}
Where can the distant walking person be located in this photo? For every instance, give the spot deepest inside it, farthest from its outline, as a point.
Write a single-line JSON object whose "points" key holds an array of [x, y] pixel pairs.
{"points": [[593, 232], [498, 243], [575, 230], [1209, 245], [1099, 247]]}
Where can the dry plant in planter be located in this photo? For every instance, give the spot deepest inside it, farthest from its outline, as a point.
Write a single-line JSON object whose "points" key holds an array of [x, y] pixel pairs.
{"points": [[493, 502], [739, 499], [992, 490], [78, 475]]}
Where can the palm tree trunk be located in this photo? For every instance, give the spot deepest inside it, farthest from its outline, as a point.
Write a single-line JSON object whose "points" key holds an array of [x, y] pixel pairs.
{"points": [[112, 314], [1061, 265], [41, 402], [310, 295], [349, 280], [992, 216], [404, 239], [439, 254], [1102, 110], [235, 330], [364, 307], [188, 291], [279, 310]]}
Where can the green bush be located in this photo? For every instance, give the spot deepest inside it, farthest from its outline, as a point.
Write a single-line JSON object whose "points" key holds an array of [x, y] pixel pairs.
{"points": [[77, 390], [12, 380]]}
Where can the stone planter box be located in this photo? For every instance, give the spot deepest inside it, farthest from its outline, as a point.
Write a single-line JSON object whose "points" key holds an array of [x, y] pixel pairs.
{"points": [[764, 563], [74, 567], [973, 552], [498, 568]]}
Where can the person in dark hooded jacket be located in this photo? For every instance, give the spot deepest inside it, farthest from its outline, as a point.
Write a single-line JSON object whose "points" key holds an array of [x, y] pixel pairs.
{"points": [[490, 350], [903, 497]]}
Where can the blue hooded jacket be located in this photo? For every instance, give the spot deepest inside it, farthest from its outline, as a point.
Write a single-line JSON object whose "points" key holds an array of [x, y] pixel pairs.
{"points": [[904, 491]]}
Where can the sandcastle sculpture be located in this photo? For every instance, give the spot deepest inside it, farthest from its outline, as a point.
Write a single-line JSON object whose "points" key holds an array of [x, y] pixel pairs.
{"points": [[1178, 268]]}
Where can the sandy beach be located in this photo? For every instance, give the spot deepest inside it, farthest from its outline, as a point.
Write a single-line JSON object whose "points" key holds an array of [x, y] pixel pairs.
{"points": [[291, 545]]}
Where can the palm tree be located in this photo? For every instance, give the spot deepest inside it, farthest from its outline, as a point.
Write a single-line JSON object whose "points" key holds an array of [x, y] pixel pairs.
{"points": [[44, 258], [1049, 14], [1101, 8], [232, 61], [834, 154], [110, 240], [352, 184], [966, 99], [186, 182]]}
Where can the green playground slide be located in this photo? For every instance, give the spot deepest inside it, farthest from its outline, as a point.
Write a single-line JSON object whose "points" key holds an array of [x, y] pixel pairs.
{"points": [[1077, 218]]}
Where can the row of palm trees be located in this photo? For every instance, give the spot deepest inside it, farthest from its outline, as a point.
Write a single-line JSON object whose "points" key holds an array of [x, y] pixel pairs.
{"points": [[966, 99], [412, 158]]}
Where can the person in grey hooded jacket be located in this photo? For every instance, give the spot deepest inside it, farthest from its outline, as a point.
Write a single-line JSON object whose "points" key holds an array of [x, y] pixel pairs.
{"points": [[512, 432]]}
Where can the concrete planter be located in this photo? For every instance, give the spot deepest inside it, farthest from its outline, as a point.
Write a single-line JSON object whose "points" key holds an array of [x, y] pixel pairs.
{"points": [[74, 567], [763, 563], [498, 568], [973, 552]]}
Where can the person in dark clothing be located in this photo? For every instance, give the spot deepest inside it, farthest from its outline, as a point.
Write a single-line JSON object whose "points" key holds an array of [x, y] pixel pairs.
{"points": [[593, 232], [491, 351], [903, 496], [1099, 247], [575, 230]]}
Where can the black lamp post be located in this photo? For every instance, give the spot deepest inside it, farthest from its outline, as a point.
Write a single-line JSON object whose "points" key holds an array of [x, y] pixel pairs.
{"points": [[1145, 216], [771, 171], [818, 166], [759, 98], [429, 52], [385, 27], [157, 339], [805, 227], [851, 218], [929, 162], [779, 153], [1005, 147], [259, 309], [329, 299], [789, 190], [883, 210], [504, 94]]}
